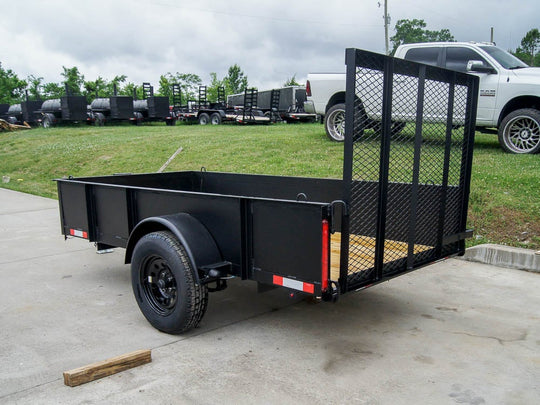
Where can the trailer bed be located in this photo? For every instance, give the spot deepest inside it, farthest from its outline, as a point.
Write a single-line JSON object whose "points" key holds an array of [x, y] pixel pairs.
{"points": [[362, 251]]}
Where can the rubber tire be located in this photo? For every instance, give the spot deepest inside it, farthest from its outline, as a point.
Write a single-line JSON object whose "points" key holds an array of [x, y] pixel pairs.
{"points": [[191, 298], [204, 119], [528, 116], [215, 118], [334, 123], [138, 118], [46, 122], [170, 123], [99, 120]]}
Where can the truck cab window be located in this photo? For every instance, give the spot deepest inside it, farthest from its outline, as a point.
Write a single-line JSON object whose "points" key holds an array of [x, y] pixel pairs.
{"points": [[427, 55], [457, 58]]}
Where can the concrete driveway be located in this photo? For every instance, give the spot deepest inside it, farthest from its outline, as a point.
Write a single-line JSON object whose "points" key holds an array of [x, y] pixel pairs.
{"points": [[454, 332]]}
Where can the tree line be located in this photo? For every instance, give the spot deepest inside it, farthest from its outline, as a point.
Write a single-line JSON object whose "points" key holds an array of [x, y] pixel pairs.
{"points": [[13, 89]]}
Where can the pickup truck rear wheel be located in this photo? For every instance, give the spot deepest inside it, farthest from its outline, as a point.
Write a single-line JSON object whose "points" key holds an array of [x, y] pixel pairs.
{"points": [[519, 131], [164, 285], [334, 123]]}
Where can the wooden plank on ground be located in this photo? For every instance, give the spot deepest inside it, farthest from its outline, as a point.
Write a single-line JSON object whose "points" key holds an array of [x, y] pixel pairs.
{"points": [[105, 368]]}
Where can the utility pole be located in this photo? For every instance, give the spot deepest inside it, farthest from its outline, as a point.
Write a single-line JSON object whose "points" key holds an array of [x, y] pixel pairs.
{"points": [[386, 18]]}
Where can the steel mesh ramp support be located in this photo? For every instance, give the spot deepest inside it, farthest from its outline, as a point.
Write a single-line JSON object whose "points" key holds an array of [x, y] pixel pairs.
{"points": [[409, 136]]}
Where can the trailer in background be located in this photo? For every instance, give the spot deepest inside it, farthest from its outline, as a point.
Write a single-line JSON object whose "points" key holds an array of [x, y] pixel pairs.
{"points": [[204, 112], [114, 108], [3, 110], [152, 108], [286, 104], [26, 111], [68, 108]]}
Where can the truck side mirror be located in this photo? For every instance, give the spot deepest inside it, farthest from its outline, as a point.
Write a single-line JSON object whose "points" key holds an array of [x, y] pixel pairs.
{"points": [[479, 67]]}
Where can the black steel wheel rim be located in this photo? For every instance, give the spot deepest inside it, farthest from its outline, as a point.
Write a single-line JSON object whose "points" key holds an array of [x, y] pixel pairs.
{"points": [[159, 285]]}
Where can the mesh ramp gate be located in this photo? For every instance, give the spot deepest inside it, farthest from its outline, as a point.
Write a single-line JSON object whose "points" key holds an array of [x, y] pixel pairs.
{"points": [[409, 136]]}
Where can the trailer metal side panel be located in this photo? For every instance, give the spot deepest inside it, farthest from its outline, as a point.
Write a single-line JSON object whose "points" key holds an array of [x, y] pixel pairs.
{"points": [[73, 206], [287, 239], [220, 215], [74, 108]]}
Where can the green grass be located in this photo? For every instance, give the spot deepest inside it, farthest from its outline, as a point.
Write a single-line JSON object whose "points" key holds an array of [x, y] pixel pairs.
{"points": [[504, 201]]}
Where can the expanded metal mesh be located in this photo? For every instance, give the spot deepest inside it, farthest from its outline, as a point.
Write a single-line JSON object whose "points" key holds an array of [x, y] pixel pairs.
{"points": [[407, 161]]}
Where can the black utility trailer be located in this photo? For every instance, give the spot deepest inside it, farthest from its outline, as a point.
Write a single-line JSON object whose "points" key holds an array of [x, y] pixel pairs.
{"points": [[65, 109], [401, 204], [26, 111], [152, 108], [284, 104], [114, 108], [204, 112]]}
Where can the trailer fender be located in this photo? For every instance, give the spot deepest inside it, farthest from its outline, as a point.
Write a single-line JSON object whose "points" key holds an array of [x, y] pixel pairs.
{"points": [[200, 246]]}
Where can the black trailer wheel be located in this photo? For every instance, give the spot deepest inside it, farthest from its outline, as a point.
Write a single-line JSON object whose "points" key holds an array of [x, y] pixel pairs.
{"points": [[47, 121], [204, 119], [138, 118], [164, 286], [99, 119], [215, 119]]}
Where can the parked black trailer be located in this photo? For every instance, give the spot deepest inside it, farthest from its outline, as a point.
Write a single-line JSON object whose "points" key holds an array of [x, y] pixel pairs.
{"points": [[204, 112], [401, 204], [286, 103], [3, 110], [152, 108], [64, 109], [114, 108]]}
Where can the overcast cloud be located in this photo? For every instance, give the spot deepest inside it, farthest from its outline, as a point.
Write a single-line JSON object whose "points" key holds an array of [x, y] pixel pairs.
{"points": [[270, 40]]}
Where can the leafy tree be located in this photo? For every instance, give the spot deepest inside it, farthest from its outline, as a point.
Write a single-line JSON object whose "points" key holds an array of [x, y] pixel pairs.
{"points": [[235, 81], [73, 79], [95, 89], [291, 81], [129, 89], [52, 90], [116, 82], [35, 87], [212, 90], [11, 87], [189, 85], [528, 51], [413, 31]]}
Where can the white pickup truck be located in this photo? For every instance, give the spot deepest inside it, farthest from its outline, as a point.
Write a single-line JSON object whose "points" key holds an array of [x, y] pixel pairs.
{"points": [[509, 96]]}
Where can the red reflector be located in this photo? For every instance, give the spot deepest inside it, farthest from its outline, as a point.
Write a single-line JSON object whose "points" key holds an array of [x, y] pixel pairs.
{"points": [[325, 259], [294, 284], [309, 288], [78, 233], [308, 89]]}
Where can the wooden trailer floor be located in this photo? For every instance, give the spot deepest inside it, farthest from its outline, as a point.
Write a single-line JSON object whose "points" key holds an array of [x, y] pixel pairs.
{"points": [[362, 252]]}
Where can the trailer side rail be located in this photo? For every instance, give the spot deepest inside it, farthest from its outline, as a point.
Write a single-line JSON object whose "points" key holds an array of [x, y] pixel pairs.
{"points": [[409, 136]]}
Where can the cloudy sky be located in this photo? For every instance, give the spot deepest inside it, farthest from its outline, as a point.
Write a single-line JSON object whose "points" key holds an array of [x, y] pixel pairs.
{"points": [[270, 40]]}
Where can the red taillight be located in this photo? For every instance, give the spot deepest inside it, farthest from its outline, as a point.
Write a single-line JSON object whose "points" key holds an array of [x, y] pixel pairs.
{"points": [[308, 89], [325, 259]]}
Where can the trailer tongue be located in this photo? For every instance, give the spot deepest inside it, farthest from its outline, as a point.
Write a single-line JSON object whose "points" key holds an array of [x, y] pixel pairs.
{"points": [[401, 204]]}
